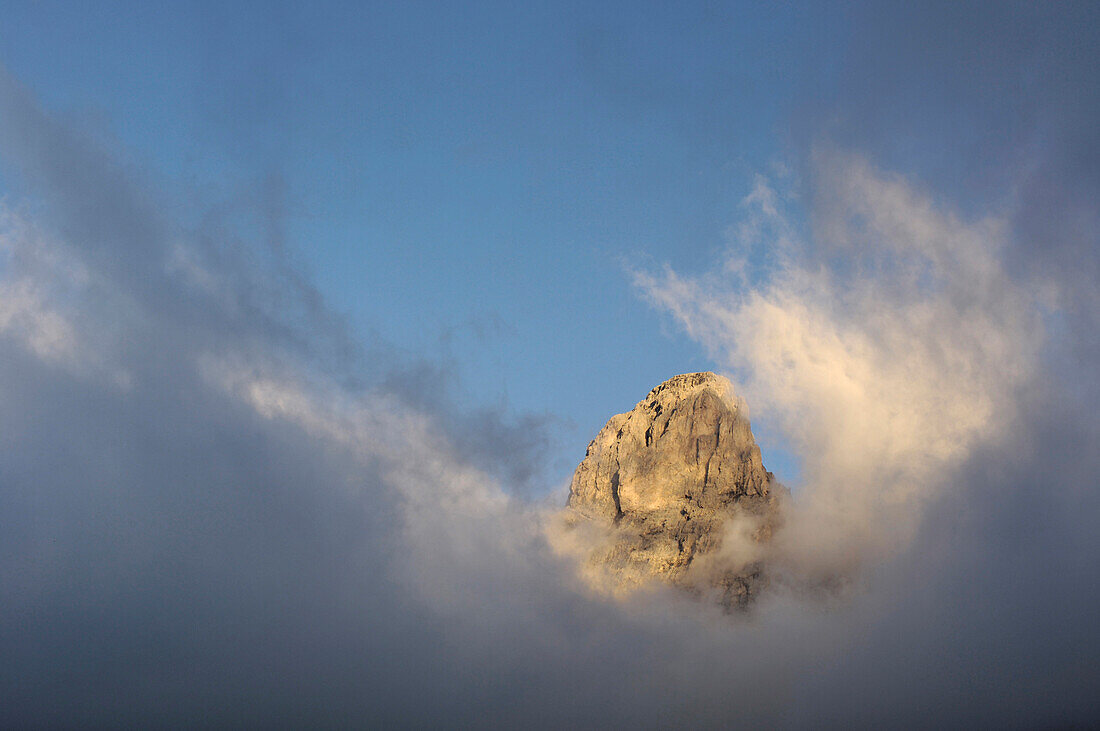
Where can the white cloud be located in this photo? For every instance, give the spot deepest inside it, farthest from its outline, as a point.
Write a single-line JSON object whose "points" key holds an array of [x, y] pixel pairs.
{"points": [[886, 348]]}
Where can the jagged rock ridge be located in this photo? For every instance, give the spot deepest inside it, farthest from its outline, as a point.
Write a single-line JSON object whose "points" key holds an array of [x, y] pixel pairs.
{"points": [[667, 479]]}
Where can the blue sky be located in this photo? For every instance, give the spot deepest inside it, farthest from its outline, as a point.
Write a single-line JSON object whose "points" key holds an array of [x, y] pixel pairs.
{"points": [[470, 183]]}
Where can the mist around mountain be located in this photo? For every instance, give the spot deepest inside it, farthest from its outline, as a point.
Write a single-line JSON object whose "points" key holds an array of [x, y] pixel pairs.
{"points": [[218, 507]]}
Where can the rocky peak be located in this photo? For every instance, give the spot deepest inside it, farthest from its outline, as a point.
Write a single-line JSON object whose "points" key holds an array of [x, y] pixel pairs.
{"points": [[667, 478]]}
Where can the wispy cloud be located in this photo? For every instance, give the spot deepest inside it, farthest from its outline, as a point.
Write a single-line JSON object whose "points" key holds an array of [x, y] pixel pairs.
{"points": [[889, 346]]}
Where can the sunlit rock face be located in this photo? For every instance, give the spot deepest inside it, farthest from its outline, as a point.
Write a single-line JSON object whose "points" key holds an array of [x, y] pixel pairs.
{"points": [[680, 487]]}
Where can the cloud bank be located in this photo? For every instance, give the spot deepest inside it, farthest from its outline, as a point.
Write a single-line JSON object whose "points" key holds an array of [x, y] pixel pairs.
{"points": [[217, 511]]}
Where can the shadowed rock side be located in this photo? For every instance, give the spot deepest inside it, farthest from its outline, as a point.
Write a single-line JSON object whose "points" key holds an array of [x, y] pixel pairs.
{"points": [[679, 485]]}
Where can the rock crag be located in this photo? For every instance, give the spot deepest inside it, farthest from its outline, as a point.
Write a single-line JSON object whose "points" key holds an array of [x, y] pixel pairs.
{"points": [[679, 485]]}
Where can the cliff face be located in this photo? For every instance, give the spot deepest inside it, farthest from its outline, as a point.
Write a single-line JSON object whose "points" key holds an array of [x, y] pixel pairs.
{"points": [[672, 481]]}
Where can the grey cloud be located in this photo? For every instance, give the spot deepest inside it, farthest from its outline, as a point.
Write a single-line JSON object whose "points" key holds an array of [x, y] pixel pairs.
{"points": [[170, 556], [989, 619]]}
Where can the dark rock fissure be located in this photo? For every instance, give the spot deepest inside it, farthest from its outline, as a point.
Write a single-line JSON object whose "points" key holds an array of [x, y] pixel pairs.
{"points": [[615, 496]]}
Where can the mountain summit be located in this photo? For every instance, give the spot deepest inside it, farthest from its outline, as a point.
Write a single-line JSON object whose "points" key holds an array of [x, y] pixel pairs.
{"points": [[679, 484]]}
